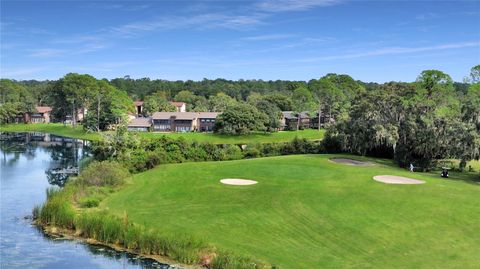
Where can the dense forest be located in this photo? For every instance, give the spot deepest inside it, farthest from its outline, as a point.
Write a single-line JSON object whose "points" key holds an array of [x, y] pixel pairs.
{"points": [[422, 121]]}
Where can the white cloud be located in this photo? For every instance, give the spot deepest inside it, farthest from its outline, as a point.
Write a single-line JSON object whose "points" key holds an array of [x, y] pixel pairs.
{"points": [[203, 21], [395, 51], [293, 5]]}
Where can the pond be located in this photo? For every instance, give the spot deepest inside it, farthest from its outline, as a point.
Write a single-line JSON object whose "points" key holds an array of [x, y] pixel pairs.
{"points": [[29, 165]]}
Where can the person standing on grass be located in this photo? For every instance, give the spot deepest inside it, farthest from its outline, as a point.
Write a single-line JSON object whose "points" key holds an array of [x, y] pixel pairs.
{"points": [[411, 167]]}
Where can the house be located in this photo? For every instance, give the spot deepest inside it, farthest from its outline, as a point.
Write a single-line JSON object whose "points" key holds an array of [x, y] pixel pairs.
{"points": [[138, 107], [290, 120], [131, 116], [323, 120], [180, 106], [206, 121], [183, 121], [79, 116], [174, 121], [40, 115], [140, 124]]}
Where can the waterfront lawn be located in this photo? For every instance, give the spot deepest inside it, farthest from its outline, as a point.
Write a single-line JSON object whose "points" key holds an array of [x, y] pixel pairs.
{"points": [[52, 128], [78, 132], [277, 137], [308, 212]]}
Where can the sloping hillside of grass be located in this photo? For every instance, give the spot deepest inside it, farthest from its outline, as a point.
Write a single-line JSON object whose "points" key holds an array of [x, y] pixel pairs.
{"points": [[308, 212]]}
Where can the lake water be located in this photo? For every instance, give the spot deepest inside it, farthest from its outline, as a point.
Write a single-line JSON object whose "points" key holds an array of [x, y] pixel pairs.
{"points": [[27, 161]]}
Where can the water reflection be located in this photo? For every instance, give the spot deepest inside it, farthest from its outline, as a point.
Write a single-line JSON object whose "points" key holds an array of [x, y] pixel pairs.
{"points": [[28, 165], [64, 152]]}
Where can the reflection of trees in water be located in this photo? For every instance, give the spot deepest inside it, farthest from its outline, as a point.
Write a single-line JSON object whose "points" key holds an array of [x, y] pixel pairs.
{"points": [[58, 179], [13, 146], [64, 152]]}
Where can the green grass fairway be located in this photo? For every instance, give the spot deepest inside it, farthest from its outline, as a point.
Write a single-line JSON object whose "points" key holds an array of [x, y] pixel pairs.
{"points": [[60, 129], [308, 212]]}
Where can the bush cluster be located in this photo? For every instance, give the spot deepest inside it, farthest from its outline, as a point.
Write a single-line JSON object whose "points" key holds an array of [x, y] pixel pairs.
{"points": [[153, 152], [101, 174], [296, 146]]}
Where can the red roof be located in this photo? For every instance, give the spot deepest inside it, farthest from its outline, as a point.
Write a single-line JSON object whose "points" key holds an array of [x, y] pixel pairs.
{"points": [[177, 104], [43, 109], [138, 103]]}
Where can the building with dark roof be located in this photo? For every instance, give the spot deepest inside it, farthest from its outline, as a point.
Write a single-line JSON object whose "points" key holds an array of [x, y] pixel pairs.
{"points": [[140, 124]]}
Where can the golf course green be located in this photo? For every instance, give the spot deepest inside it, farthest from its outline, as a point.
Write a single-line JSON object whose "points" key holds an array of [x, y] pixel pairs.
{"points": [[309, 212]]}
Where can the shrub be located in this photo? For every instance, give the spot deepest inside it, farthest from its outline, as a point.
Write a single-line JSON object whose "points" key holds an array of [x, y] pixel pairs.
{"points": [[57, 210], [231, 152], [271, 149], [89, 202], [253, 151], [104, 173], [225, 260], [196, 152]]}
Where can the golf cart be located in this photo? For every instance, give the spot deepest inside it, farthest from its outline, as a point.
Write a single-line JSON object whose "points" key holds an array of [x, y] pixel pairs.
{"points": [[444, 172]]}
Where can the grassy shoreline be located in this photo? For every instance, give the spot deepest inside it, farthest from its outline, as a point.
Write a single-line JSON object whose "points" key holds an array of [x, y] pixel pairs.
{"points": [[70, 234], [64, 213], [78, 132], [52, 128]]}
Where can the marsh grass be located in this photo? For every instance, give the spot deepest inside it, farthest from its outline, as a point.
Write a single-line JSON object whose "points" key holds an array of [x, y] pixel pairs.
{"points": [[104, 227], [57, 210], [228, 260]]}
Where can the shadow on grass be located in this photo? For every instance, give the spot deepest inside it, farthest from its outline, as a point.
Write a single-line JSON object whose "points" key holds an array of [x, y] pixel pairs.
{"points": [[467, 177]]}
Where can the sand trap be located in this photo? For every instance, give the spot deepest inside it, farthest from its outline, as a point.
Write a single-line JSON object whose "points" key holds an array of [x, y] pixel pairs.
{"points": [[397, 180], [350, 162], [237, 181]]}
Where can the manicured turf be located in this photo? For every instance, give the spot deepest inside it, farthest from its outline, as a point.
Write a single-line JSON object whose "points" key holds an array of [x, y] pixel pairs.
{"points": [[60, 129], [285, 136], [307, 212]]}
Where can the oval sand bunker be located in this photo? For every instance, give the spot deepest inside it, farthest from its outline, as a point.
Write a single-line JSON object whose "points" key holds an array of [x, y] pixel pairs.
{"points": [[397, 180], [238, 182]]}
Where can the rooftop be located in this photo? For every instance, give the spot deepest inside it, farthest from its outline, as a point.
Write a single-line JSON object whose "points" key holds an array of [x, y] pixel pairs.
{"points": [[176, 115], [178, 104], [208, 115], [140, 122], [293, 115], [43, 109]]}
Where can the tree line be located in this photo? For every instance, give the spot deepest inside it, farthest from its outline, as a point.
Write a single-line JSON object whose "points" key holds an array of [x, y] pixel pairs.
{"points": [[418, 122], [413, 123], [248, 105]]}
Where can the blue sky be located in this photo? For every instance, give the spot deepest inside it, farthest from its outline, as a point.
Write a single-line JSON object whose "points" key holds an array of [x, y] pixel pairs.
{"points": [[264, 39]]}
